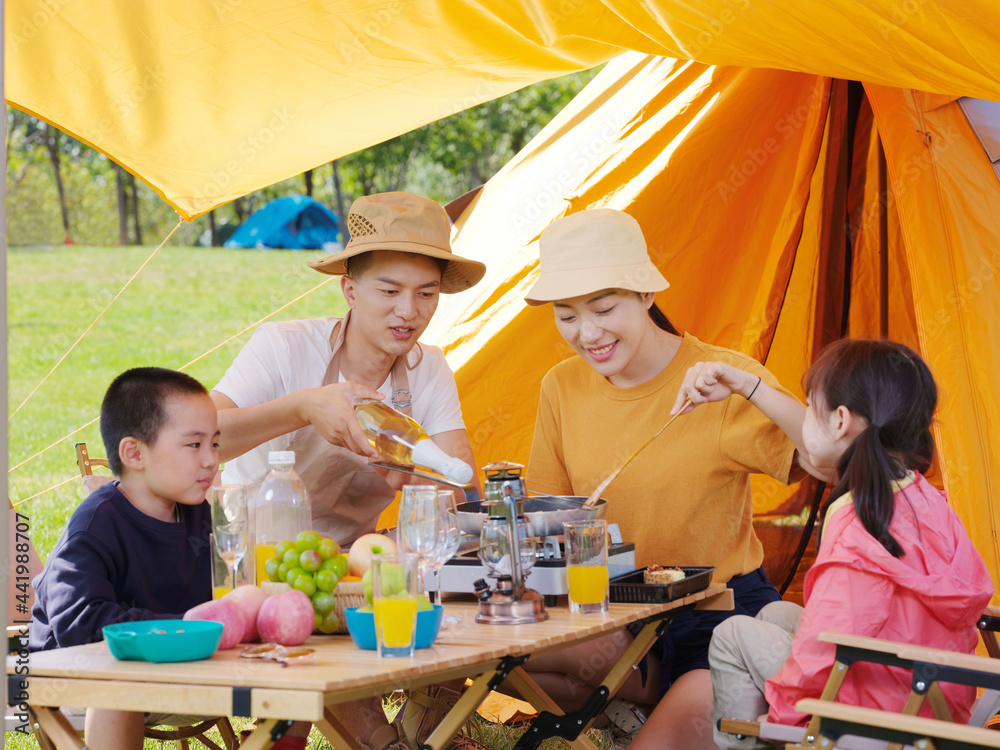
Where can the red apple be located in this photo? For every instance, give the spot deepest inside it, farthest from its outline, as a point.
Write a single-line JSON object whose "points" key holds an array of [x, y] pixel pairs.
{"points": [[359, 558], [248, 598], [286, 618], [234, 621]]}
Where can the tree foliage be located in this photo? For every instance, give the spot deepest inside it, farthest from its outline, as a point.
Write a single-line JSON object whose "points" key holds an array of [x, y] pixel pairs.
{"points": [[441, 160]]}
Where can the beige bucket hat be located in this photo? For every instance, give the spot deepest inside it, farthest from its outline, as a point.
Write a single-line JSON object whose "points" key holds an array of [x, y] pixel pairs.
{"points": [[600, 248], [408, 223]]}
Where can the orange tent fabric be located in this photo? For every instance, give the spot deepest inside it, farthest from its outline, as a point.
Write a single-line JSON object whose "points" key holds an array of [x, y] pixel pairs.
{"points": [[778, 235]]}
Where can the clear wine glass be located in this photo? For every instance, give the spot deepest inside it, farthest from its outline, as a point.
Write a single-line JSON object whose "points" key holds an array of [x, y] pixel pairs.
{"points": [[449, 535], [230, 526], [419, 523]]}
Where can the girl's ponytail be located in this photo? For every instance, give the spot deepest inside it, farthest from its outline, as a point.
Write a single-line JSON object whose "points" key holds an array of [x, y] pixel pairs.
{"points": [[867, 470]]}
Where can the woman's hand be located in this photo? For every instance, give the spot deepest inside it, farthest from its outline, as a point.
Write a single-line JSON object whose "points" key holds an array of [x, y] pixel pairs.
{"points": [[712, 381], [330, 409]]}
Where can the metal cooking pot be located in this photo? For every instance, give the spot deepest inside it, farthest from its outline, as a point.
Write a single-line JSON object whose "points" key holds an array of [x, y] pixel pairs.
{"points": [[546, 513]]}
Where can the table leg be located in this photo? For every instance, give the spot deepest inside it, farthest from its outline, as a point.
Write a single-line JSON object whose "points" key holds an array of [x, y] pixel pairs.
{"points": [[467, 704], [550, 723], [53, 729], [260, 738], [332, 728]]}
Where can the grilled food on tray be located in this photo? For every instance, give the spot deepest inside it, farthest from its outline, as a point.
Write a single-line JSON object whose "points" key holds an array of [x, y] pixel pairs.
{"points": [[657, 574]]}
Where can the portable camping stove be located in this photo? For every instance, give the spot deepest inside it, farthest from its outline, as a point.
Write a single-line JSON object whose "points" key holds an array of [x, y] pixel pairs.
{"points": [[490, 556], [548, 574]]}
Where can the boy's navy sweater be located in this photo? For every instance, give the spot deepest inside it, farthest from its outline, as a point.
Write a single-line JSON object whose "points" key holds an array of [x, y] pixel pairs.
{"points": [[114, 563]]}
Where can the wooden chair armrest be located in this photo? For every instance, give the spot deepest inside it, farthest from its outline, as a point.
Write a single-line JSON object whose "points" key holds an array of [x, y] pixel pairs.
{"points": [[992, 610], [765, 730], [875, 645], [838, 718], [745, 727], [952, 666], [85, 462]]}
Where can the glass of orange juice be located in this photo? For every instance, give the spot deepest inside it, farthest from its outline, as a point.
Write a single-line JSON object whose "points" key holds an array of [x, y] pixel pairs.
{"points": [[587, 565], [395, 581]]}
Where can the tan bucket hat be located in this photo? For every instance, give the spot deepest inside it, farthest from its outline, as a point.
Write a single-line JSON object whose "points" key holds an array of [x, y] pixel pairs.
{"points": [[600, 248], [408, 223]]}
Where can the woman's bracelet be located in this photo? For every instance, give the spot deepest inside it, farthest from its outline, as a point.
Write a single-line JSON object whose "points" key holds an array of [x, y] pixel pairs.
{"points": [[754, 389]]}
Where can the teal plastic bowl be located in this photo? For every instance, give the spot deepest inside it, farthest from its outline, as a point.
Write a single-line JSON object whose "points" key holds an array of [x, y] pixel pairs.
{"points": [[163, 640], [361, 626]]}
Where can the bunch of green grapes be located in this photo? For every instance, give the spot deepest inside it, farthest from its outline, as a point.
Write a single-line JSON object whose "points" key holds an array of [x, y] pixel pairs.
{"points": [[313, 564]]}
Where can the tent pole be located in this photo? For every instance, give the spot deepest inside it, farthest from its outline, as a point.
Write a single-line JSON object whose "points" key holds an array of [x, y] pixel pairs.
{"points": [[883, 244]]}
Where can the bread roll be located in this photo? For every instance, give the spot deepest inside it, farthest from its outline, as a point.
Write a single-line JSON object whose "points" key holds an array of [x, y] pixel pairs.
{"points": [[656, 574]]}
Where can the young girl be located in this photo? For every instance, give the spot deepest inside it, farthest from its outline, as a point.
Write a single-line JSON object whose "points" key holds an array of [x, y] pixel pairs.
{"points": [[894, 561]]}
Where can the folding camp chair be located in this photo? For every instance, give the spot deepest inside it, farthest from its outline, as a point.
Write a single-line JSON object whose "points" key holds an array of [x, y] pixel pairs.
{"points": [[930, 667], [851, 649]]}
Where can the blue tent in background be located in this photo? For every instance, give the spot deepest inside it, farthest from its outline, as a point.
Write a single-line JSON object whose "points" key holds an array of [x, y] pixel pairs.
{"points": [[293, 222]]}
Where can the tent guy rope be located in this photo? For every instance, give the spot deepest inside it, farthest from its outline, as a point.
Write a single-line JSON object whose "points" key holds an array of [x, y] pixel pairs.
{"points": [[94, 323], [218, 346]]}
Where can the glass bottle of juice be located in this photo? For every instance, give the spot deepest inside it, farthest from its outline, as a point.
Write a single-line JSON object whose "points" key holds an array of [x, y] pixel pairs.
{"points": [[402, 440], [281, 509]]}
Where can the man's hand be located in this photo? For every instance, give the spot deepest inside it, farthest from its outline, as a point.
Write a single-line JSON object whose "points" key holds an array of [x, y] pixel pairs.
{"points": [[712, 381], [330, 409]]}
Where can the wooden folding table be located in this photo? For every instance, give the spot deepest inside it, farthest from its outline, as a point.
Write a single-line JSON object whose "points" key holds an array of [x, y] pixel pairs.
{"points": [[226, 685]]}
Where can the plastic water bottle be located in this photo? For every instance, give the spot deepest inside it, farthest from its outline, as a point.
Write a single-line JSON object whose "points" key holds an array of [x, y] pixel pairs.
{"points": [[281, 509]]}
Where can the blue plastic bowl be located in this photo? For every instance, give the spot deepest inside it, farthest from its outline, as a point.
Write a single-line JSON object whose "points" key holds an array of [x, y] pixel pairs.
{"points": [[361, 626], [163, 640]]}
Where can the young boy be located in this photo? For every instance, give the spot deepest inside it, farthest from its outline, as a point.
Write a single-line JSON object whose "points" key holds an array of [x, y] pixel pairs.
{"points": [[137, 548]]}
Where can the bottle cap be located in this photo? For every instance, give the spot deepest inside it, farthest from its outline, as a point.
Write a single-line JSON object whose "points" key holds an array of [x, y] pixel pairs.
{"points": [[457, 470], [281, 457]]}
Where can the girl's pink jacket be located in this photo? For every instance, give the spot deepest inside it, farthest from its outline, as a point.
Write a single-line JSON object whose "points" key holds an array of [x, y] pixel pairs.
{"points": [[931, 596]]}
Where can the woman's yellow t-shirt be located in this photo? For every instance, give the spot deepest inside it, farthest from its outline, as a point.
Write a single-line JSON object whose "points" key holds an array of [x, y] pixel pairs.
{"points": [[685, 499]]}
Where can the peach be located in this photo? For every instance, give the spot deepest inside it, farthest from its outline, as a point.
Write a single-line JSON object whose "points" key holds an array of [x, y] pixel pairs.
{"points": [[229, 613], [248, 598], [286, 618], [359, 557]]}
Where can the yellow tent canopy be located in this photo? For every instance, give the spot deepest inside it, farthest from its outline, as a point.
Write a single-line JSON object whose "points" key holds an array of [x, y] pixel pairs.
{"points": [[756, 172], [207, 101]]}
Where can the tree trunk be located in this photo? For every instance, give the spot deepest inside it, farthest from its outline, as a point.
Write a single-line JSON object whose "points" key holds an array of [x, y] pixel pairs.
{"points": [[241, 213], [213, 230], [341, 217], [52, 142], [135, 209], [308, 177], [122, 206]]}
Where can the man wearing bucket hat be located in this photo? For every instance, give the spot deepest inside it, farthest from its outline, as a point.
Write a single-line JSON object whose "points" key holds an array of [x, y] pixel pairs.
{"points": [[685, 500], [293, 386]]}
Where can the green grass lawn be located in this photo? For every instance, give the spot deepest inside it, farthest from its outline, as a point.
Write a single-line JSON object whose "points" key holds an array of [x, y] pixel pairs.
{"points": [[185, 302]]}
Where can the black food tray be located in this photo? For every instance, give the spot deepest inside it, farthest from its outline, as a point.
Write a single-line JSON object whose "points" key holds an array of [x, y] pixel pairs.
{"points": [[629, 587]]}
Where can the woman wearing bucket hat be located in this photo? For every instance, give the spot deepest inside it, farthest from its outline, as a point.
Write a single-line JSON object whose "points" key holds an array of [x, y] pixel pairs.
{"points": [[685, 500], [293, 386]]}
